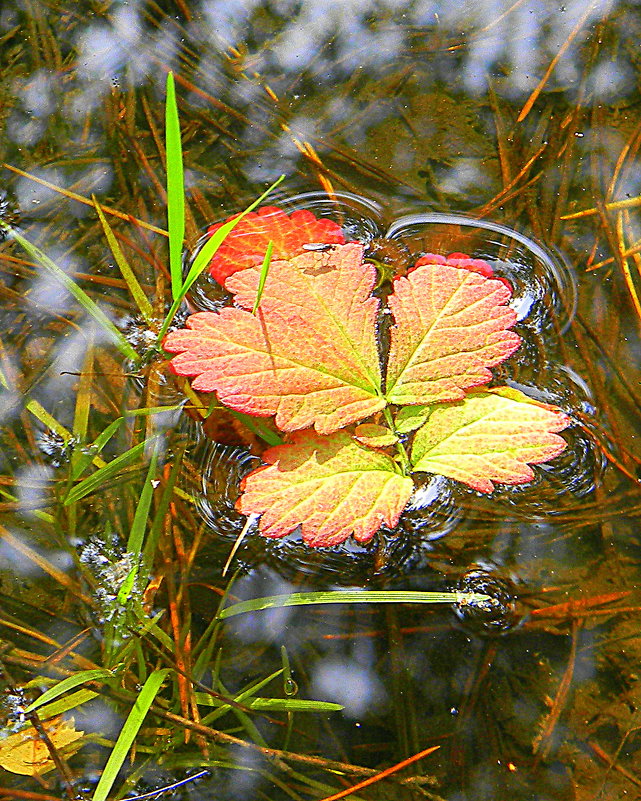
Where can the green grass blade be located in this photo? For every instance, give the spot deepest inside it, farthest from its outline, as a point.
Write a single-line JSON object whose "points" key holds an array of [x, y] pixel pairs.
{"points": [[175, 188], [79, 294], [67, 703], [263, 275], [351, 597], [138, 525], [206, 254], [123, 265], [105, 474], [83, 460], [39, 412], [128, 733], [275, 704], [70, 683]]}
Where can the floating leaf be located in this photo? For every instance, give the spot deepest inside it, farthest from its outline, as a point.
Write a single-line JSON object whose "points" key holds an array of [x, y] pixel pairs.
{"points": [[460, 260], [309, 355], [451, 326], [27, 754], [246, 245], [330, 486], [489, 436]]}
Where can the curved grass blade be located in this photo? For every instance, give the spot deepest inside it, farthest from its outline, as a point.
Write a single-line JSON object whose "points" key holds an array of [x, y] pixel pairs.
{"points": [[70, 683], [175, 187], [123, 265], [205, 256], [62, 705], [128, 733], [352, 597], [79, 294]]}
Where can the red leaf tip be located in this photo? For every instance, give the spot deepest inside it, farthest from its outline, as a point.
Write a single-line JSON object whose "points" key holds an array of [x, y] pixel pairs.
{"points": [[245, 246]]}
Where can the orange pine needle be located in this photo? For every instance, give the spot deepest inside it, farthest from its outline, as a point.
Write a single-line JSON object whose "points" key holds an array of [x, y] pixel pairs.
{"points": [[382, 775], [541, 84]]}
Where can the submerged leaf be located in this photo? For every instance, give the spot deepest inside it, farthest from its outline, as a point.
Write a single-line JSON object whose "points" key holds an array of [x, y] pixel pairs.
{"points": [[331, 487], [245, 246], [309, 355], [451, 326], [27, 754], [489, 436]]}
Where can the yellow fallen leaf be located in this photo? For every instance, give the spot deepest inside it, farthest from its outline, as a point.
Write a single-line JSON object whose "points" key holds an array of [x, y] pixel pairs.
{"points": [[26, 753]]}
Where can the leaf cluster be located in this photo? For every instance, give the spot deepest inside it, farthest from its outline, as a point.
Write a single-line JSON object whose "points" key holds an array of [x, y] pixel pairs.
{"points": [[306, 352]]}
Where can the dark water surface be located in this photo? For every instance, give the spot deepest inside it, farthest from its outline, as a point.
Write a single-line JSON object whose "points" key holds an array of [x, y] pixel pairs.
{"points": [[484, 127]]}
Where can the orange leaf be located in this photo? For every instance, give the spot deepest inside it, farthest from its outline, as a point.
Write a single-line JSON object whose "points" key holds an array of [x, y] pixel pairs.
{"points": [[245, 246], [330, 486], [451, 326], [309, 355], [489, 436]]}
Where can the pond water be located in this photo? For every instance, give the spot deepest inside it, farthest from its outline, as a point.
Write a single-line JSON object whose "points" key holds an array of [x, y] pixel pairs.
{"points": [[508, 130]]}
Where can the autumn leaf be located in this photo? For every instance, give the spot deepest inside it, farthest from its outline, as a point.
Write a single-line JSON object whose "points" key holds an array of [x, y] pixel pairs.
{"points": [[451, 326], [309, 355], [374, 435], [245, 246], [460, 260], [331, 487], [489, 436], [24, 752]]}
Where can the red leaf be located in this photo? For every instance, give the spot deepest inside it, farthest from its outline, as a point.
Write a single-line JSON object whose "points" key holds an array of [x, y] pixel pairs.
{"points": [[489, 436], [460, 260], [245, 246], [451, 326], [330, 486], [309, 355]]}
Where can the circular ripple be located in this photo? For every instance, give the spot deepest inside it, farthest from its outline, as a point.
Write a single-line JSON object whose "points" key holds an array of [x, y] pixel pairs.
{"points": [[544, 287], [494, 616]]}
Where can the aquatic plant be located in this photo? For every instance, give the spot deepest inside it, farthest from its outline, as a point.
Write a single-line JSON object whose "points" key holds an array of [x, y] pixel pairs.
{"points": [[306, 351]]}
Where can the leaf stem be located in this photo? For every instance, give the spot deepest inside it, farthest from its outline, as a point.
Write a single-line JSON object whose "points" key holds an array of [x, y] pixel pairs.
{"points": [[405, 459]]}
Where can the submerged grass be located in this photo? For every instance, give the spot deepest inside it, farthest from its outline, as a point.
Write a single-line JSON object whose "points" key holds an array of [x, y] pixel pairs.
{"points": [[138, 597]]}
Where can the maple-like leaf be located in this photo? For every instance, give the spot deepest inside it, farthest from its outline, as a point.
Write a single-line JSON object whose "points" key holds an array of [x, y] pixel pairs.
{"points": [[309, 355], [245, 246], [331, 487], [451, 326], [489, 436]]}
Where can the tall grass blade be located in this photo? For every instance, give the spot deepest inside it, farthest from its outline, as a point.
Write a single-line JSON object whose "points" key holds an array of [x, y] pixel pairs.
{"points": [[263, 275], [175, 187], [206, 254], [128, 733], [352, 597], [127, 273], [79, 294]]}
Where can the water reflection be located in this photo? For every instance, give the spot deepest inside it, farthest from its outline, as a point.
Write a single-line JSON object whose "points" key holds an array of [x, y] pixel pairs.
{"points": [[426, 109]]}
